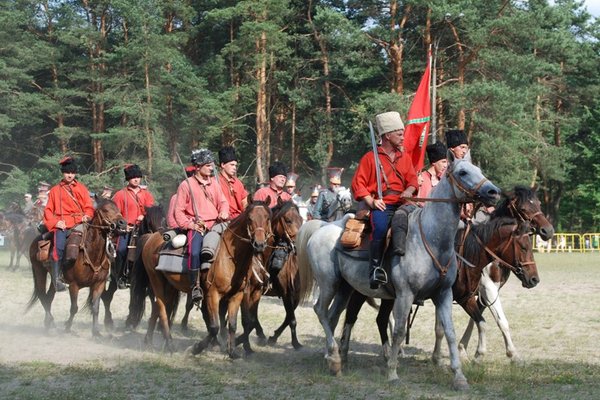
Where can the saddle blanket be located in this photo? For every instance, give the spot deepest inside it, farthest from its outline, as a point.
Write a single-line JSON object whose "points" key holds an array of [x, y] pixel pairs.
{"points": [[172, 260]]}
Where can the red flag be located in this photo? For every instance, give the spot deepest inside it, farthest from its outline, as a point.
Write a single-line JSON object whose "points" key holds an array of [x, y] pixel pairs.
{"points": [[418, 121]]}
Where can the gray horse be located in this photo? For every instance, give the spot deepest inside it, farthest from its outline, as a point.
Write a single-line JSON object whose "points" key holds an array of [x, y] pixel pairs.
{"points": [[427, 271]]}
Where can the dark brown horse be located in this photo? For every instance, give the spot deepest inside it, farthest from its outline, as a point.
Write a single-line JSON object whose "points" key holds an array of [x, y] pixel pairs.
{"points": [[245, 237], [90, 269], [154, 221], [286, 223]]}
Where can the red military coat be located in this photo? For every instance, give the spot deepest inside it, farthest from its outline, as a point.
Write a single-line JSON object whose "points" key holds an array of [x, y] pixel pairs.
{"points": [[69, 203]]}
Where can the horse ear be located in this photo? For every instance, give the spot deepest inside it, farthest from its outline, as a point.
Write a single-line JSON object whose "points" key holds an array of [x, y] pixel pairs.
{"points": [[467, 156], [249, 199], [450, 156], [280, 202], [268, 201]]}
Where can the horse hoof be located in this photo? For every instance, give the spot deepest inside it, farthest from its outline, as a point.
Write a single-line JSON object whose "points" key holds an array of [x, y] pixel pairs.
{"points": [[297, 346], [234, 355], [460, 384], [261, 341], [272, 340], [335, 367]]}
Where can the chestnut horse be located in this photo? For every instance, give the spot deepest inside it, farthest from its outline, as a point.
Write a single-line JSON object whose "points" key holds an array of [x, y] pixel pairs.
{"points": [[90, 269], [286, 223], [19, 231], [245, 237]]}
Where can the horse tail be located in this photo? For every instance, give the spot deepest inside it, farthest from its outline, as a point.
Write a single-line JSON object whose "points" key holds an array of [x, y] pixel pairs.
{"points": [[35, 266], [304, 268], [140, 284]]}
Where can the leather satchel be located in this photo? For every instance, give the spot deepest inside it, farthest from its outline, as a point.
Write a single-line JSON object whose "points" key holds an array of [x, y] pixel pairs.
{"points": [[353, 233], [43, 251]]}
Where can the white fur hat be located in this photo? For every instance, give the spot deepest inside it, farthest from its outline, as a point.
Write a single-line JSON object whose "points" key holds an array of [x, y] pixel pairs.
{"points": [[388, 122]]}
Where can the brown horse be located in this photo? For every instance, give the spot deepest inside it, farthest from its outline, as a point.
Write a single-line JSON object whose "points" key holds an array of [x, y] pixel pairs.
{"points": [[90, 269], [286, 223], [245, 237]]}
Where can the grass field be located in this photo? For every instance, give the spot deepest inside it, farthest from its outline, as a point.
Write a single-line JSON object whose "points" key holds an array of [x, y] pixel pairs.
{"points": [[555, 326]]}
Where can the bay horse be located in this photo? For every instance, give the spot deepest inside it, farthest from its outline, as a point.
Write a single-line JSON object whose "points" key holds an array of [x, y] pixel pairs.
{"points": [[520, 203], [427, 270], [154, 221], [244, 237], [285, 224], [90, 269]]}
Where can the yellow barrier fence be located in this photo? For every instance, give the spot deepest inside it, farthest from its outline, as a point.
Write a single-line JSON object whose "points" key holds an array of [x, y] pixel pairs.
{"points": [[568, 242]]}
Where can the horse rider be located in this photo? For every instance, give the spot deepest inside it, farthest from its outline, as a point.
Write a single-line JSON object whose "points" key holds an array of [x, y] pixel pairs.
{"points": [[457, 143], [312, 202], [290, 187], [277, 178], [69, 205], [436, 154], [398, 182], [28, 206], [200, 204], [325, 207], [131, 201], [233, 189], [237, 197], [171, 223]]}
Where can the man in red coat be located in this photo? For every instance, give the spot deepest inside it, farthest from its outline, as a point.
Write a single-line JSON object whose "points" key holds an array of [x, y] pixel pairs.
{"points": [[132, 201], [233, 188], [69, 204], [398, 183], [277, 178]]}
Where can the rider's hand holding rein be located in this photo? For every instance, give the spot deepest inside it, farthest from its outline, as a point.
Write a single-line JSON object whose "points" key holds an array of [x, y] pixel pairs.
{"points": [[61, 225]]}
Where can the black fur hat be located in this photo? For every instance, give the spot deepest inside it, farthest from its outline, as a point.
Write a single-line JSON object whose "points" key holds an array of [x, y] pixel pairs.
{"points": [[201, 157], [455, 137], [277, 168], [227, 154], [68, 164], [132, 171], [436, 152]]}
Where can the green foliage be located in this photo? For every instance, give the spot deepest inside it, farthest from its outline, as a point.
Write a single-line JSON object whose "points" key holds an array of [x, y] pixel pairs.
{"points": [[118, 81]]}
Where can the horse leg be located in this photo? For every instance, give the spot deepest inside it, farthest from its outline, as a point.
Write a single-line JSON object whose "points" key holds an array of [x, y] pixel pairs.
{"points": [[188, 308], [340, 301], [443, 314], [290, 306], [107, 297], [502, 322], [383, 322], [40, 274], [96, 293], [249, 308], [211, 311], [232, 310], [464, 341], [401, 309], [171, 295], [73, 293], [354, 305]]}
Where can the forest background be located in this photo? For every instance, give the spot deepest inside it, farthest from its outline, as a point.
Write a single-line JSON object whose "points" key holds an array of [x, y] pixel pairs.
{"points": [[143, 81]]}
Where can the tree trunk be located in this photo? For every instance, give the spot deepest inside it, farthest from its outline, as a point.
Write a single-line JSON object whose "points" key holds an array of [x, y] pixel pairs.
{"points": [[262, 142]]}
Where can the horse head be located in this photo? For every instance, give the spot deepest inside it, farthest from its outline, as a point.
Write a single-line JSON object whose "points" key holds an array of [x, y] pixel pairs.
{"points": [[344, 199], [523, 204], [511, 242], [286, 220], [153, 221], [258, 222], [468, 183], [107, 216]]}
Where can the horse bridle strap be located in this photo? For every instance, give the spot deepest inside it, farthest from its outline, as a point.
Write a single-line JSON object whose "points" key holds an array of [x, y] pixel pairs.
{"points": [[442, 269], [514, 269], [520, 214]]}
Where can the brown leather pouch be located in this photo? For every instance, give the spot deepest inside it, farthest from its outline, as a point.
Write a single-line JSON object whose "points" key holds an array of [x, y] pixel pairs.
{"points": [[353, 232], [43, 251]]}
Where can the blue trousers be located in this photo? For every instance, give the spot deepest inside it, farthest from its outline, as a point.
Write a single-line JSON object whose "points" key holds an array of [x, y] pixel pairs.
{"points": [[60, 242], [195, 240], [380, 222]]}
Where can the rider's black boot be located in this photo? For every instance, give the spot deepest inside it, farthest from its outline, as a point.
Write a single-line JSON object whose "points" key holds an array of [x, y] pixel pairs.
{"points": [[399, 230], [57, 280]]}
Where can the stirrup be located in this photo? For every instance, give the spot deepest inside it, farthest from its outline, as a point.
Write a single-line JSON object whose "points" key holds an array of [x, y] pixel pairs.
{"points": [[59, 285], [378, 277], [197, 295], [122, 283]]}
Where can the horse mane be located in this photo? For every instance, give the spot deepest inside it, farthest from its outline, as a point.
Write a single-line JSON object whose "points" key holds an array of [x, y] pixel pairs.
{"points": [[280, 209], [241, 219], [520, 193], [153, 221], [484, 231]]}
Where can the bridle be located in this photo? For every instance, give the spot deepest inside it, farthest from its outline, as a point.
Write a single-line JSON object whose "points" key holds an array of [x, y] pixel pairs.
{"points": [[522, 214]]}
